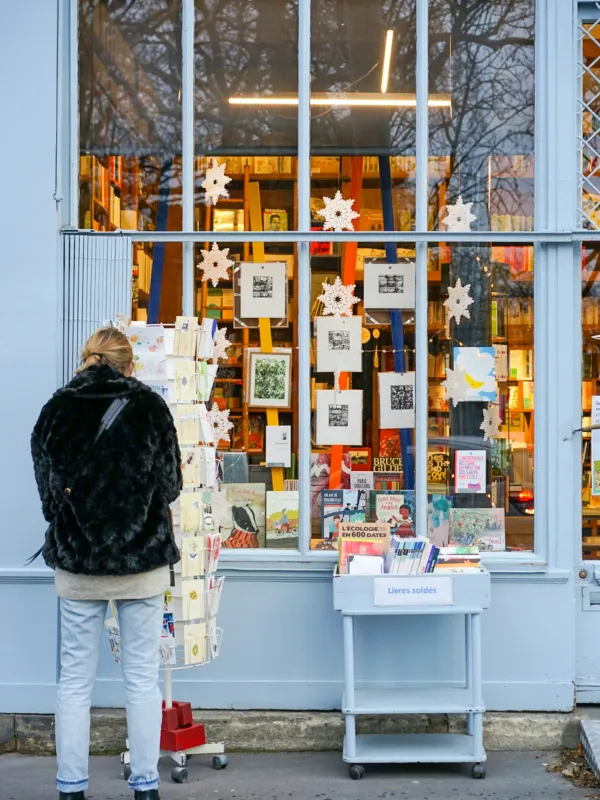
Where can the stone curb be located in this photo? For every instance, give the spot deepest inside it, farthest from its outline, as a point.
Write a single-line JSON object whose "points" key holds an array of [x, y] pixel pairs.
{"points": [[302, 731]]}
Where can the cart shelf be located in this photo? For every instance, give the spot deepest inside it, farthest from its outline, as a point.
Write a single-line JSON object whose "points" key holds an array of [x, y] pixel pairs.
{"points": [[414, 748], [413, 700]]}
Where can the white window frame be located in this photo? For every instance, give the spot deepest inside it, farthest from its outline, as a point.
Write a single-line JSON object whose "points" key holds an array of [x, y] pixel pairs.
{"points": [[556, 240]]}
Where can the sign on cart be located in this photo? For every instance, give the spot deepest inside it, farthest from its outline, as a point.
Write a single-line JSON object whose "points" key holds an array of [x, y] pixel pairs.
{"points": [[423, 591]]}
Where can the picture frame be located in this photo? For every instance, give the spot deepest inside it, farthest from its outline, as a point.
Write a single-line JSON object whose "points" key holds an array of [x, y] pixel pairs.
{"points": [[252, 322], [270, 384], [389, 286], [339, 417], [339, 344], [263, 290], [396, 400]]}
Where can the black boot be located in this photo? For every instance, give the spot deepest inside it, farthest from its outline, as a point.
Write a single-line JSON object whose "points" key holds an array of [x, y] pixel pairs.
{"points": [[71, 796], [148, 794]]}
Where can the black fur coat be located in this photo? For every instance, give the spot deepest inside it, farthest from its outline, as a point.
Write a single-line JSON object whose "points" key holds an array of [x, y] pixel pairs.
{"points": [[117, 519]]}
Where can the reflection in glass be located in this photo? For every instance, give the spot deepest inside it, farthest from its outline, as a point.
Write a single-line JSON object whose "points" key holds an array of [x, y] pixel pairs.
{"points": [[590, 455]]}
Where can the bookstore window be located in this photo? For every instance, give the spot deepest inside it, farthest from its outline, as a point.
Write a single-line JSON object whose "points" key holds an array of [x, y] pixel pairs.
{"points": [[590, 400], [130, 62], [481, 395], [362, 389]]}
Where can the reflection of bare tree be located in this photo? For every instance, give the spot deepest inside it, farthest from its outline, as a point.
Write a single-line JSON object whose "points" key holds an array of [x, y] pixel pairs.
{"points": [[481, 55]]}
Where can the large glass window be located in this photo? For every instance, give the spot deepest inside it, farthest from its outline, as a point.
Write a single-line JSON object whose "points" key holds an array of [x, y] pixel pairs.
{"points": [[346, 344]]}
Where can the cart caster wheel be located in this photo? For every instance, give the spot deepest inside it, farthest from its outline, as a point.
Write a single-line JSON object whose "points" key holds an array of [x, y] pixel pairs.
{"points": [[126, 771], [478, 771], [179, 774], [220, 761], [357, 772]]}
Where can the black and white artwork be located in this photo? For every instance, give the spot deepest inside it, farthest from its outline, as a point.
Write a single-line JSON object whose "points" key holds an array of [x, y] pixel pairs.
{"points": [[339, 340], [262, 286], [396, 399], [339, 417], [263, 291], [339, 344], [389, 286]]}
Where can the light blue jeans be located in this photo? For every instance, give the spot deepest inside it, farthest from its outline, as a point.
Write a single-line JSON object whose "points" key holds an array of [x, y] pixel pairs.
{"points": [[81, 626]]}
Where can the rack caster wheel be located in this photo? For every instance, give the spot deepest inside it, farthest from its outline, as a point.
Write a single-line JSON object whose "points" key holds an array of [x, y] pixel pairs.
{"points": [[357, 772], [179, 775], [478, 771], [220, 761], [126, 772]]}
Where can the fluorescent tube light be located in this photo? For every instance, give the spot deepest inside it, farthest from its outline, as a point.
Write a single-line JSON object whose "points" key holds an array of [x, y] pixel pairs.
{"points": [[387, 57], [339, 99]]}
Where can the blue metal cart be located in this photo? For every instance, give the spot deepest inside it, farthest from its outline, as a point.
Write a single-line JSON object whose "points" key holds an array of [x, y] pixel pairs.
{"points": [[456, 594]]}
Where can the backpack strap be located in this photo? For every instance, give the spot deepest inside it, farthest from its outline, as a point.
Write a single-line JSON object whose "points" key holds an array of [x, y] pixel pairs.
{"points": [[109, 418]]}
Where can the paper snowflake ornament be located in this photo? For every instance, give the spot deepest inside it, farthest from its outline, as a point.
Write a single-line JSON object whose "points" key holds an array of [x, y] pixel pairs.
{"points": [[220, 424], [220, 344], [215, 183], [215, 264], [491, 422], [458, 216], [338, 213], [456, 386], [458, 301], [338, 299]]}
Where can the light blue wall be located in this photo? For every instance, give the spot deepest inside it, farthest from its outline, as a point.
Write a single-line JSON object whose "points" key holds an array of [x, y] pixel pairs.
{"points": [[282, 640]]}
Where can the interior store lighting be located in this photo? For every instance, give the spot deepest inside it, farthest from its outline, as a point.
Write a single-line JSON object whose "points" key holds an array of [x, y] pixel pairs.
{"points": [[387, 57], [339, 99]]}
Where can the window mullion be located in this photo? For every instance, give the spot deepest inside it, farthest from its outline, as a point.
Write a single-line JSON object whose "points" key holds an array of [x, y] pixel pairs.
{"points": [[422, 129], [187, 150]]}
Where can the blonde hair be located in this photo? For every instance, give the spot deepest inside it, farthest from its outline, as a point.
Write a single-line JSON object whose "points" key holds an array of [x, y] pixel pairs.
{"points": [[107, 346]]}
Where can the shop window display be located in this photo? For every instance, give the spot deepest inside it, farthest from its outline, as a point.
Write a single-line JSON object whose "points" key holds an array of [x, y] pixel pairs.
{"points": [[363, 392]]}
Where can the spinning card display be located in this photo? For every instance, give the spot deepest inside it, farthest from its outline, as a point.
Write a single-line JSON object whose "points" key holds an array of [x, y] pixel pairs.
{"points": [[389, 286], [339, 344], [339, 417], [396, 400], [263, 290]]}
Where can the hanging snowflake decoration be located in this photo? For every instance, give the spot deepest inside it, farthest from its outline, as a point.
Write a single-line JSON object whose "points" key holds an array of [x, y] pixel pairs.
{"points": [[215, 264], [458, 216], [215, 183], [220, 424], [220, 344], [456, 386], [491, 422], [338, 299], [338, 213], [458, 301]]}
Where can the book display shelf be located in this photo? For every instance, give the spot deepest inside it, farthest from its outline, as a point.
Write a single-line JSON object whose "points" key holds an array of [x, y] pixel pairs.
{"points": [[466, 595]]}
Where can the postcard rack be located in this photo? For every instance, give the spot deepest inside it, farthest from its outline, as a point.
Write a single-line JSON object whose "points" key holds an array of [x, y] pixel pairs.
{"points": [[466, 595]]}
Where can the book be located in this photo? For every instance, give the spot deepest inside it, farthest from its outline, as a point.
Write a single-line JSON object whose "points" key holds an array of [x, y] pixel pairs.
{"points": [[438, 519], [396, 509], [275, 219], [242, 522], [320, 468], [359, 564], [323, 544], [458, 559], [341, 506], [362, 538], [483, 527], [362, 480], [233, 467], [282, 519], [470, 471], [389, 448], [415, 556]]}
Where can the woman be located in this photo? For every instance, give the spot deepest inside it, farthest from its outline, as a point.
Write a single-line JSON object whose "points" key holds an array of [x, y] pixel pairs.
{"points": [[106, 496]]}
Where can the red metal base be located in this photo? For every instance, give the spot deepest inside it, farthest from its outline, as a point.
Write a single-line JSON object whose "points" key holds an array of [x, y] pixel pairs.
{"points": [[178, 731]]}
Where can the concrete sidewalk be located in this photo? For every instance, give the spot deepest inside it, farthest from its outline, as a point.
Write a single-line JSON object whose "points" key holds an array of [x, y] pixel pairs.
{"points": [[280, 776]]}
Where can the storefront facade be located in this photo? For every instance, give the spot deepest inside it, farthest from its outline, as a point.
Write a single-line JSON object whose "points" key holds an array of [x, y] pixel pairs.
{"points": [[116, 114]]}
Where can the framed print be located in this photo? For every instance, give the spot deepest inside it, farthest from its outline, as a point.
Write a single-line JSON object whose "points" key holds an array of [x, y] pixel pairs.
{"points": [[270, 378], [396, 400], [389, 286], [263, 290], [339, 344], [339, 417], [240, 321]]}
